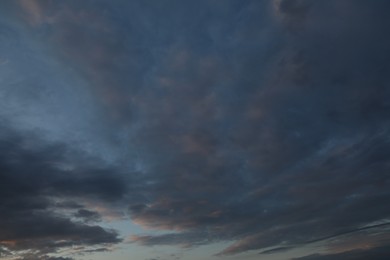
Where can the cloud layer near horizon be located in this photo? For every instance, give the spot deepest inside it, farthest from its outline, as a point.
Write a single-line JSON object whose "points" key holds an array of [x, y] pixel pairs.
{"points": [[264, 123]]}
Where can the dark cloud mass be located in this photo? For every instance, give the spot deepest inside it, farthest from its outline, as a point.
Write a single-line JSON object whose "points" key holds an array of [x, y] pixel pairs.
{"points": [[31, 184], [264, 124]]}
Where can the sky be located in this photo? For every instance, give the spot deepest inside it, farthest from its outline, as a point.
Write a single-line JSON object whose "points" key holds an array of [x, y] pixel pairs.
{"points": [[194, 130]]}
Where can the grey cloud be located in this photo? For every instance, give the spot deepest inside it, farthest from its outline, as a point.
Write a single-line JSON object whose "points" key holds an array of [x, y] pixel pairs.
{"points": [[31, 182], [376, 253], [300, 156], [182, 239], [40, 257], [276, 250], [88, 215], [264, 123]]}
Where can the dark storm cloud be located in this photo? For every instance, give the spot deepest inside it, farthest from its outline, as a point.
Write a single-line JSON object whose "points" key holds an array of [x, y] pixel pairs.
{"points": [[264, 123], [32, 180]]}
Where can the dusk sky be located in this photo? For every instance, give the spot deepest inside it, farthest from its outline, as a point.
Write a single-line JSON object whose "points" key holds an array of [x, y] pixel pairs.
{"points": [[194, 129]]}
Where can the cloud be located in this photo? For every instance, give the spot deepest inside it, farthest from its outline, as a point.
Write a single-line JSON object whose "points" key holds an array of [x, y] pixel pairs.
{"points": [[281, 159], [376, 253], [184, 239], [88, 215], [276, 250], [32, 257], [32, 182], [260, 123]]}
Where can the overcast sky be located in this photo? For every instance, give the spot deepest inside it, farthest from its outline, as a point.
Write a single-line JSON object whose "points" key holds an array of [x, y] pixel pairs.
{"points": [[194, 129]]}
